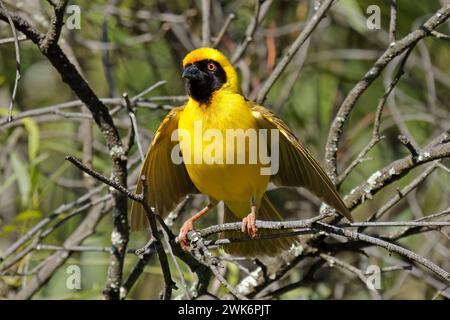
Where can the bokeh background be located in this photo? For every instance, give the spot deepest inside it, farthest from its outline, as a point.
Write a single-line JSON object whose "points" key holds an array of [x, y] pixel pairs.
{"points": [[126, 46]]}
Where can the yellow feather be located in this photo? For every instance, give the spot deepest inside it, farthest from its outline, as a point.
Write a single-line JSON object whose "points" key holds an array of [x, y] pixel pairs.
{"points": [[232, 84], [235, 184]]}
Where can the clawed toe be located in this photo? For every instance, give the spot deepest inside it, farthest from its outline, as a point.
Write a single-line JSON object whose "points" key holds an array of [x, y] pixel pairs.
{"points": [[182, 236], [249, 225]]}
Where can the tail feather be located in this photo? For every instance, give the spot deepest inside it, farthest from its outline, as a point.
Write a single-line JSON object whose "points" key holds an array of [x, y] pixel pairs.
{"points": [[264, 247]]}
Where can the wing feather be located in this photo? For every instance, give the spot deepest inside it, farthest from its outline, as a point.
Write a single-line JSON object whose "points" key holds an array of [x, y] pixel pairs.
{"points": [[297, 166], [168, 183]]}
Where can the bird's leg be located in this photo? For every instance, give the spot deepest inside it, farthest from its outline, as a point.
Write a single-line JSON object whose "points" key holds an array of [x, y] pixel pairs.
{"points": [[188, 225], [249, 222]]}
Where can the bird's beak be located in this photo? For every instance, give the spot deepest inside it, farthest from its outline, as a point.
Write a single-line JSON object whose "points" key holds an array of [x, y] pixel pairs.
{"points": [[191, 72]]}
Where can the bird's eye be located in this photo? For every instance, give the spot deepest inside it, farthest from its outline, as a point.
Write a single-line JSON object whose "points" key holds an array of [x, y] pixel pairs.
{"points": [[211, 67]]}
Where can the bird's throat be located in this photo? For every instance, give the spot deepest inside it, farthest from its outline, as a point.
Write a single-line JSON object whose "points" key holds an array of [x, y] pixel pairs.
{"points": [[201, 91]]}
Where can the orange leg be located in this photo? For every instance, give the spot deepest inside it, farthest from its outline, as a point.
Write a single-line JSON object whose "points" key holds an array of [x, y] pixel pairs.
{"points": [[188, 225], [249, 222]]}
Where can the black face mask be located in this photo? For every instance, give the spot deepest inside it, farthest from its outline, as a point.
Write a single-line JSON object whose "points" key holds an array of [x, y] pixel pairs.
{"points": [[203, 78]]}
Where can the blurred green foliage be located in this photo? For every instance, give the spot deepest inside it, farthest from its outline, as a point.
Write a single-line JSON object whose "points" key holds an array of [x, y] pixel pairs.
{"points": [[35, 179]]}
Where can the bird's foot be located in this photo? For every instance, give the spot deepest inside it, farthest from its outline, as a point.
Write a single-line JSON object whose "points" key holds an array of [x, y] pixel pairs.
{"points": [[182, 236], [188, 226], [249, 223]]}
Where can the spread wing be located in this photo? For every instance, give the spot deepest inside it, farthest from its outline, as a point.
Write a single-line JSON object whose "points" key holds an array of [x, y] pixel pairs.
{"points": [[168, 183], [297, 167]]}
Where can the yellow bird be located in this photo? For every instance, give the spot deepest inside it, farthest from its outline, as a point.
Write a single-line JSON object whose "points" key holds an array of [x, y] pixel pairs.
{"points": [[215, 108]]}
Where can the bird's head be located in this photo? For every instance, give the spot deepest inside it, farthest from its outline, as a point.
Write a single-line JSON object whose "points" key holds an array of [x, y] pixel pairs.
{"points": [[207, 70]]}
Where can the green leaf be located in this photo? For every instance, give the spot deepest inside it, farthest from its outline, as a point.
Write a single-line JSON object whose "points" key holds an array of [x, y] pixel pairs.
{"points": [[28, 215], [233, 274], [33, 137], [8, 229], [23, 179]]}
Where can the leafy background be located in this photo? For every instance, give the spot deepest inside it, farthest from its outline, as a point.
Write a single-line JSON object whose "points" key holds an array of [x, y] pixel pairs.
{"points": [[35, 179]]}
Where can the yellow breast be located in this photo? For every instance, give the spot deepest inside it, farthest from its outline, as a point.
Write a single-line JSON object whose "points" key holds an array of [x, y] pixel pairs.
{"points": [[219, 143]]}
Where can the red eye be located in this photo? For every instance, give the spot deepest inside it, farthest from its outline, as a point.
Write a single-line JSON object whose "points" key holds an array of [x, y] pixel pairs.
{"points": [[211, 67]]}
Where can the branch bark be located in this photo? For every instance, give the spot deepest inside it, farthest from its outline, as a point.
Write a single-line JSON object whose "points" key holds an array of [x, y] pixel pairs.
{"points": [[302, 37], [349, 102], [49, 47]]}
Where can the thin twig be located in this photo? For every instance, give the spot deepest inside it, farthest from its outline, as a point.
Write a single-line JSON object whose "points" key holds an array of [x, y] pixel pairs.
{"points": [[376, 137], [148, 90], [402, 193], [223, 30], [260, 224], [249, 32], [224, 241], [435, 215], [103, 179], [212, 262], [391, 247], [405, 141], [55, 109], [397, 224], [206, 23], [13, 39], [393, 268], [440, 35], [393, 22], [349, 102], [302, 37], [41, 247], [134, 127], [17, 52], [56, 24], [44, 222], [169, 284], [346, 266], [396, 170], [177, 265], [144, 257]]}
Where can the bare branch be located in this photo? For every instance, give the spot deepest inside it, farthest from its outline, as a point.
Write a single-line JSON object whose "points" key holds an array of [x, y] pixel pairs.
{"points": [[57, 22], [69, 73], [387, 245], [103, 179], [440, 35], [212, 262], [376, 137], [13, 39], [403, 192], [17, 50], [302, 37], [135, 136], [223, 30], [347, 105], [393, 22], [396, 170], [404, 141], [39, 226], [258, 16], [260, 224], [348, 267], [206, 23], [151, 217], [54, 261]]}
